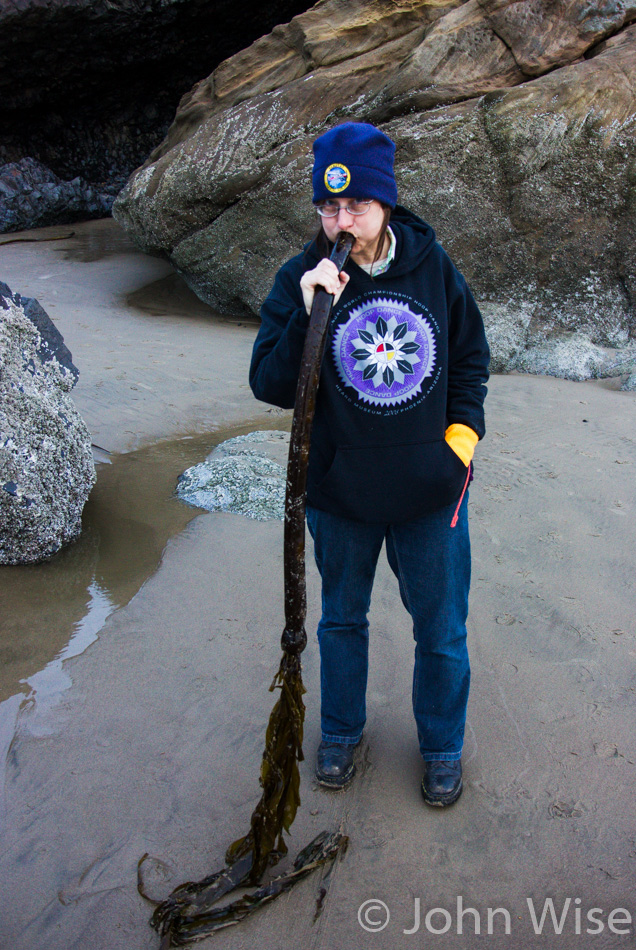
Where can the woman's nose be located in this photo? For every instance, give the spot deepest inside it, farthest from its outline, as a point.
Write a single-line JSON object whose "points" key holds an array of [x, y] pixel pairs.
{"points": [[346, 211]]}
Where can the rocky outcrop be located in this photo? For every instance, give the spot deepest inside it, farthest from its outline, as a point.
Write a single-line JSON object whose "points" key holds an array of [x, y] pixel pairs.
{"points": [[31, 196], [245, 475], [514, 122], [89, 87], [46, 464]]}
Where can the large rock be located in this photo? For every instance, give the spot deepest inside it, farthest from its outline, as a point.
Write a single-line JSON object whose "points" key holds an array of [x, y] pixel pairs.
{"points": [[514, 123], [46, 464], [89, 87], [32, 196]]}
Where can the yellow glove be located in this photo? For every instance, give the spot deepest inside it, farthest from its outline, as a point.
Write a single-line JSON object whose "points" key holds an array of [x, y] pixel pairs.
{"points": [[462, 441]]}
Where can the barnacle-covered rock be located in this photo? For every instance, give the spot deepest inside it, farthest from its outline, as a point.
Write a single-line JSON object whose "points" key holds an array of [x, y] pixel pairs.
{"points": [[244, 475], [46, 463]]}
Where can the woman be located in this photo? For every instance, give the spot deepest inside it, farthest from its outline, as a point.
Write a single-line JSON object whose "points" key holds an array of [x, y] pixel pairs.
{"points": [[398, 414]]}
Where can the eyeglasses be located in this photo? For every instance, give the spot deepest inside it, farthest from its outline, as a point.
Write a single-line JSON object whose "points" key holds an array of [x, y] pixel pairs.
{"points": [[329, 209]]}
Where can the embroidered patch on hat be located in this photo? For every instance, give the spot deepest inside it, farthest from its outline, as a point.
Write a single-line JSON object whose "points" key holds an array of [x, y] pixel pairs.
{"points": [[337, 177], [384, 351]]}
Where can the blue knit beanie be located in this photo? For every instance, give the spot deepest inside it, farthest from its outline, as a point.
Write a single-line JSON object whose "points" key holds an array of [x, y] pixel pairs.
{"points": [[354, 160]]}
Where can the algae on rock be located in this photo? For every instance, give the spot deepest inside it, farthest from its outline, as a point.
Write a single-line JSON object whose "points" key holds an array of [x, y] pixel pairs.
{"points": [[237, 477]]}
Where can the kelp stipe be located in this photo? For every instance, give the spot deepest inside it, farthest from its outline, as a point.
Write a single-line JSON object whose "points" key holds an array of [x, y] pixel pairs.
{"points": [[189, 914]]}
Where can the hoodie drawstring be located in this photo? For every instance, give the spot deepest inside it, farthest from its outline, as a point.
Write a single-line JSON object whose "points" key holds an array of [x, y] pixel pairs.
{"points": [[453, 523]]}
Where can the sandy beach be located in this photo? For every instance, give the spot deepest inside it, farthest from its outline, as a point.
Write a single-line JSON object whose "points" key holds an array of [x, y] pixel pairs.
{"points": [[147, 737]]}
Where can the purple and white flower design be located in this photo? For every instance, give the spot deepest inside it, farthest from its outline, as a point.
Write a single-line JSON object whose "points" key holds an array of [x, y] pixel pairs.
{"points": [[384, 351]]}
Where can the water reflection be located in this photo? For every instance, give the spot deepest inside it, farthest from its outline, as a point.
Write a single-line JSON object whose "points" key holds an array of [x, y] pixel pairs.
{"points": [[55, 610], [48, 685]]}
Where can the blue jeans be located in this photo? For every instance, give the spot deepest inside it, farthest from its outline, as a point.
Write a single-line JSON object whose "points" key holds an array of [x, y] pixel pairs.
{"points": [[431, 561]]}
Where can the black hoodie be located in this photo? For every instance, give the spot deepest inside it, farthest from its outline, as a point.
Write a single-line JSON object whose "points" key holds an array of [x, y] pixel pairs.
{"points": [[406, 356]]}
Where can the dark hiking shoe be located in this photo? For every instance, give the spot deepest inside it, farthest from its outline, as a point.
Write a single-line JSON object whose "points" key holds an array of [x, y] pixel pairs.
{"points": [[334, 764], [442, 783]]}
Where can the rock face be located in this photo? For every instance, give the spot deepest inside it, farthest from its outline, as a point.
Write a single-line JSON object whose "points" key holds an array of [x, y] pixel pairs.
{"points": [[46, 465], [31, 196], [89, 87], [245, 475], [514, 122]]}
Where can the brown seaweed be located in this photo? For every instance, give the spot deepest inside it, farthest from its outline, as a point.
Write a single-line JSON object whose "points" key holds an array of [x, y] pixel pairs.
{"points": [[189, 914], [180, 921]]}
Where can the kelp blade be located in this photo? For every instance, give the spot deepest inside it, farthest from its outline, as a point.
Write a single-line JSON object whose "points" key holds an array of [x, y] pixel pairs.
{"points": [[280, 778], [189, 907], [323, 849]]}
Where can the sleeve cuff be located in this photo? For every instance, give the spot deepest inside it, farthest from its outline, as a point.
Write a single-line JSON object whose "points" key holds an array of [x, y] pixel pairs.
{"points": [[462, 440]]}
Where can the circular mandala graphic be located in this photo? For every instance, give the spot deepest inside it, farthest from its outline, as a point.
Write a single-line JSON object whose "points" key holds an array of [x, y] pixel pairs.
{"points": [[385, 351]]}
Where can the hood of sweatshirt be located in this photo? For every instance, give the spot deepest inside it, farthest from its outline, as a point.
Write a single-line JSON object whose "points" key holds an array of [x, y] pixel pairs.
{"points": [[414, 240]]}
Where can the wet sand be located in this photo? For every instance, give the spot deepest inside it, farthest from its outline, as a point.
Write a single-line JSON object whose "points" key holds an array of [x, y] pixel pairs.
{"points": [[150, 369], [155, 744], [131, 514]]}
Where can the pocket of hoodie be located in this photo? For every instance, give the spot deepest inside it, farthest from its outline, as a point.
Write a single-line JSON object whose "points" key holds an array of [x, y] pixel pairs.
{"points": [[392, 483]]}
